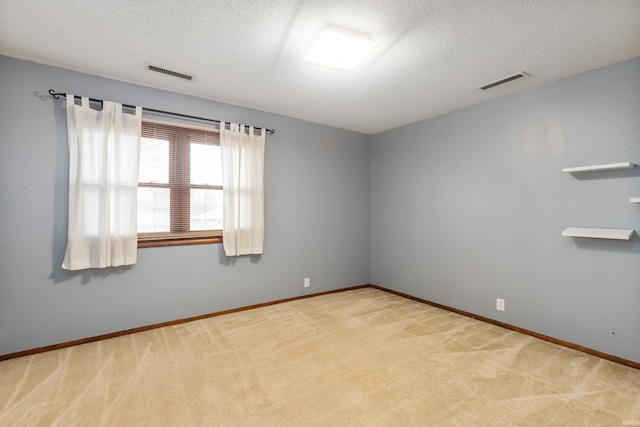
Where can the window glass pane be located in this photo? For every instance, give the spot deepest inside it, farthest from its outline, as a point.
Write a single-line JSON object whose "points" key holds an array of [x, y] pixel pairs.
{"points": [[206, 209], [206, 164], [154, 160], [153, 209]]}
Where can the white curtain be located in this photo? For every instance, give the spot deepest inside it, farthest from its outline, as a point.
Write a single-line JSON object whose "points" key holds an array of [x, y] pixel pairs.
{"points": [[243, 191], [103, 185]]}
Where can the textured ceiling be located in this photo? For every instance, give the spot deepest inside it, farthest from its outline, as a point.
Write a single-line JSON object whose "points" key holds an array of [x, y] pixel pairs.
{"points": [[430, 58]]}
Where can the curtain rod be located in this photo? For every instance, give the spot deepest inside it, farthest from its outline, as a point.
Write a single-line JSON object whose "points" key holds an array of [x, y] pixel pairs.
{"points": [[56, 95]]}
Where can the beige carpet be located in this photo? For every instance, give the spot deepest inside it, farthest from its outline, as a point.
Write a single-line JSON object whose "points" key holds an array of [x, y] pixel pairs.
{"points": [[357, 358]]}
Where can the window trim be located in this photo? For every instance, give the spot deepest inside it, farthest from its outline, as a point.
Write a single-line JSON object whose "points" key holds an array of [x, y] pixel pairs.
{"points": [[156, 243], [180, 161]]}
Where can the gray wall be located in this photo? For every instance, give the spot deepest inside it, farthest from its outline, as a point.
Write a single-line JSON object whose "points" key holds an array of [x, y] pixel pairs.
{"points": [[460, 209], [316, 217], [469, 206]]}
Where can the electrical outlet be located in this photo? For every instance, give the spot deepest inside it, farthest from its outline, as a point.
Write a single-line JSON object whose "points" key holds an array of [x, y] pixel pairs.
{"points": [[306, 282], [499, 304]]}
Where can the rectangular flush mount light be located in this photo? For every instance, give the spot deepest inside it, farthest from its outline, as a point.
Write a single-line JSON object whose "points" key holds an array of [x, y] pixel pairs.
{"points": [[341, 48]]}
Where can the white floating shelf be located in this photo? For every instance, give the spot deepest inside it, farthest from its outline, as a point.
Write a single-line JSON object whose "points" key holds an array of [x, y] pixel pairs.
{"points": [[598, 233], [635, 199], [607, 167]]}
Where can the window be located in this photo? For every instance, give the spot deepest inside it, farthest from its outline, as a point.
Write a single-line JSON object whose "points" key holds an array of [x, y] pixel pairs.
{"points": [[180, 185]]}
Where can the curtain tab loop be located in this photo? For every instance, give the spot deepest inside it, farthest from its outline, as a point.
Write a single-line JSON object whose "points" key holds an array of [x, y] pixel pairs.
{"points": [[70, 100]]}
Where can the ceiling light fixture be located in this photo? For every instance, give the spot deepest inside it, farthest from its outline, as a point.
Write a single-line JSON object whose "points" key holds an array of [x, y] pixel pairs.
{"points": [[341, 48]]}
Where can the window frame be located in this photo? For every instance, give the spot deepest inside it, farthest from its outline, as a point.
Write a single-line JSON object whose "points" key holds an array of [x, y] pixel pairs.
{"points": [[180, 187]]}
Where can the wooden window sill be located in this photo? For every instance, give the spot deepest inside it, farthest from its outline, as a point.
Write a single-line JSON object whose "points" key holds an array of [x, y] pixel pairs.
{"points": [[178, 242]]}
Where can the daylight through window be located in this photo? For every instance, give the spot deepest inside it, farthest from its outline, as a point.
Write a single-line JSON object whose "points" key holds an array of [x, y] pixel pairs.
{"points": [[180, 185]]}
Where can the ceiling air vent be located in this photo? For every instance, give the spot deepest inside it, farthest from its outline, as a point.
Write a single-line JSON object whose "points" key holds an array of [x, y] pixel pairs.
{"points": [[184, 76], [504, 80]]}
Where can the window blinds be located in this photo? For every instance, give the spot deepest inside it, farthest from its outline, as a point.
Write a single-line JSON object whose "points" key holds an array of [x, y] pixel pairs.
{"points": [[180, 182]]}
